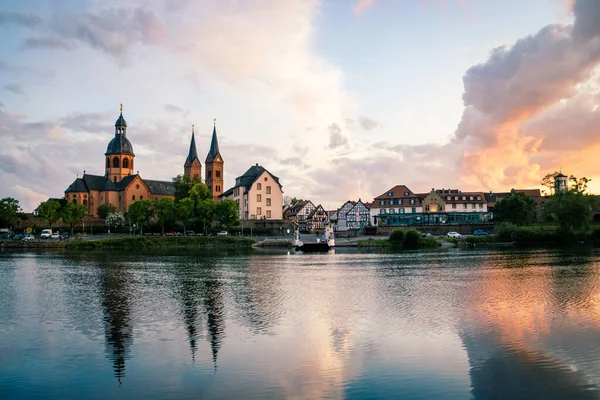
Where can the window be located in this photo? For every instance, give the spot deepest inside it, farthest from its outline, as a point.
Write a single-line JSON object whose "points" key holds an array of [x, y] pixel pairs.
{"points": [[454, 205], [268, 213], [125, 163], [268, 189], [478, 197], [465, 206], [141, 197], [218, 173], [258, 198], [412, 201], [455, 197], [133, 197], [406, 193], [258, 211], [114, 179], [382, 211], [480, 205], [116, 162], [448, 197], [137, 186], [464, 198], [427, 208], [382, 202], [85, 202], [400, 201], [473, 206], [471, 198], [218, 188], [392, 211], [259, 186], [269, 201], [414, 210], [390, 194]]}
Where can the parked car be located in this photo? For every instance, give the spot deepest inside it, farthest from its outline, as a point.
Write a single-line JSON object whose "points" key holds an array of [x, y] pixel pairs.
{"points": [[18, 236], [55, 235], [426, 235], [169, 233], [178, 234], [480, 232], [7, 235], [189, 233], [222, 233], [64, 236], [46, 234], [28, 237], [455, 235]]}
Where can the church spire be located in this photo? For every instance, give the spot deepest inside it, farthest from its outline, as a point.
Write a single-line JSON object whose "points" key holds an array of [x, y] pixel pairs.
{"points": [[193, 153], [214, 144]]}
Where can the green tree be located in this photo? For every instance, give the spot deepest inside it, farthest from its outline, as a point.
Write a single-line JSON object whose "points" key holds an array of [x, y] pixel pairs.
{"points": [[140, 212], [579, 185], [185, 211], [73, 214], [570, 209], [9, 210], [227, 213], [165, 211], [49, 211], [183, 185], [115, 220], [199, 192], [205, 211], [105, 209], [518, 209], [548, 182]]}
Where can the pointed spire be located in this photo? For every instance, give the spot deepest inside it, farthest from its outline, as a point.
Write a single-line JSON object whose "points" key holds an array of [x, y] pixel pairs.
{"points": [[193, 154], [214, 144]]}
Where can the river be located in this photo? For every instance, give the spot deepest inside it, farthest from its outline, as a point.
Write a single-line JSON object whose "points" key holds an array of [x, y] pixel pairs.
{"points": [[452, 324]]}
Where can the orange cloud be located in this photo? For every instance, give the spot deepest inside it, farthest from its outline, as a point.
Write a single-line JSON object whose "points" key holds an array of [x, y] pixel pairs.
{"points": [[362, 5]]}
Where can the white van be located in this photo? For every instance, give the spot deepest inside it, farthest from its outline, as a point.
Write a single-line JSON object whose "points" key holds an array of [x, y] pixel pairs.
{"points": [[46, 233]]}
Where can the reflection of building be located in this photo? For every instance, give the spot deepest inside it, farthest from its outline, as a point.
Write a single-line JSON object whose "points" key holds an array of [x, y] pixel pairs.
{"points": [[258, 193], [117, 330]]}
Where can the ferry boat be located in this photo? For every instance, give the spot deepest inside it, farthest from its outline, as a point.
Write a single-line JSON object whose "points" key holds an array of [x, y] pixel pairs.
{"points": [[321, 245]]}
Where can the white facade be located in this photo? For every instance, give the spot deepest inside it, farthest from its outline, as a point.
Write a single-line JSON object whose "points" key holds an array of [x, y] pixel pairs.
{"points": [[262, 199]]}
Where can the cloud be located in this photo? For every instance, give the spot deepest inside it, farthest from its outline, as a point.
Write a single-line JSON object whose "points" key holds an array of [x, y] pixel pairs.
{"points": [[113, 31], [336, 139], [46, 43], [517, 85], [14, 88], [368, 124], [362, 5], [18, 18]]}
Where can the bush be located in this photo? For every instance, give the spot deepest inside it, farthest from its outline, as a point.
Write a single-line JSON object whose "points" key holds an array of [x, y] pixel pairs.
{"points": [[504, 231], [412, 239], [397, 237]]}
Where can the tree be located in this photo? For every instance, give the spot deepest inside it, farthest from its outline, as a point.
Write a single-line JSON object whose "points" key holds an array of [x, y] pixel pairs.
{"points": [[140, 212], [73, 214], [185, 211], [295, 201], [227, 212], [549, 183], [205, 211], [579, 185], [115, 220], [199, 192], [49, 211], [570, 209], [9, 210], [165, 211], [105, 209], [518, 209], [183, 185]]}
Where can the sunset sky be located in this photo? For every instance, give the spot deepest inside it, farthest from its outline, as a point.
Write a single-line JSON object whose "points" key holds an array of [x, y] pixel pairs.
{"points": [[340, 99]]}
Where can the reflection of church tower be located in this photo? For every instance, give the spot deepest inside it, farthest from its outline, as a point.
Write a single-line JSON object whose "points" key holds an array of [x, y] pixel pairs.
{"points": [[215, 310], [214, 167], [119, 153], [192, 167], [117, 332]]}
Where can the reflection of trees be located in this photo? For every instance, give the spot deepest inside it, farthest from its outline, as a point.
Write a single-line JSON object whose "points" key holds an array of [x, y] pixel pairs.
{"points": [[201, 297], [114, 291]]}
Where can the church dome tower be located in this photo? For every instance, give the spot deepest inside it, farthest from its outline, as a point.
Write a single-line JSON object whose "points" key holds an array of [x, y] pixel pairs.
{"points": [[214, 166], [119, 153], [192, 167]]}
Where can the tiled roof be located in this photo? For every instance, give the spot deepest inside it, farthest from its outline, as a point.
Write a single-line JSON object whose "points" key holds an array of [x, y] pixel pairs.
{"points": [[315, 210], [160, 187], [467, 196], [78, 185], [226, 193], [396, 192], [251, 175]]}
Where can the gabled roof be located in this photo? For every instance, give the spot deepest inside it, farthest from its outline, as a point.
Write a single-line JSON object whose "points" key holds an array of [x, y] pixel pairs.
{"points": [[296, 208], [78, 185], [251, 175], [316, 210], [160, 187], [397, 192], [460, 195]]}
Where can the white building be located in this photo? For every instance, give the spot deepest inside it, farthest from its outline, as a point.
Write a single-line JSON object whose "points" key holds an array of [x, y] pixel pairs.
{"points": [[258, 194]]}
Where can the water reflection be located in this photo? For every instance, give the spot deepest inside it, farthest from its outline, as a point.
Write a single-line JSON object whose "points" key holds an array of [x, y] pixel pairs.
{"points": [[115, 288]]}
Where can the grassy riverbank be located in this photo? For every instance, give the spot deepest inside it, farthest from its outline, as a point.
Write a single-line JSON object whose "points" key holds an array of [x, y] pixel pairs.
{"points": [[401, 239], [138, 242]]}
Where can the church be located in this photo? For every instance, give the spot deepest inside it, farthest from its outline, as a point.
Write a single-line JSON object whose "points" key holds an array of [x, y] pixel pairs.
{"points": [[120, 187]]}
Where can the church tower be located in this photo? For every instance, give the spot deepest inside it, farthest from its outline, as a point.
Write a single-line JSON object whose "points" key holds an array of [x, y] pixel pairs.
{"points": [[214, 166], [119, 153], [192, 167]]}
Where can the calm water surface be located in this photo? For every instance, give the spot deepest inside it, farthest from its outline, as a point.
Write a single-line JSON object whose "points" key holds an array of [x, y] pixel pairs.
{"points": [[451, 324]]}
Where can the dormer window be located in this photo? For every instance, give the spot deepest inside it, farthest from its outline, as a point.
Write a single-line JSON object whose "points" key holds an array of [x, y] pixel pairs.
{"points": [[471, 198], [406, 193], [448, 198], [455, 197], [464, 198], [390, 194], [478, 197]]}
